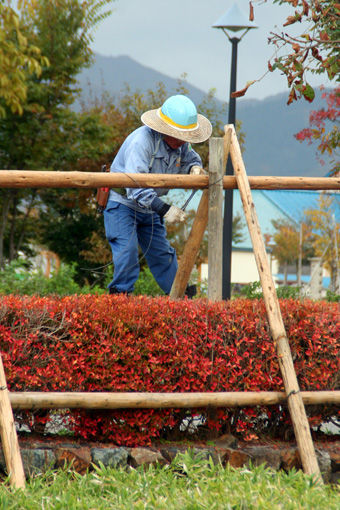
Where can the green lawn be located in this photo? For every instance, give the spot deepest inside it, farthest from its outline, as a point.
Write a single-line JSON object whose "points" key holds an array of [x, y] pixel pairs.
{"points": [[188, 484]]}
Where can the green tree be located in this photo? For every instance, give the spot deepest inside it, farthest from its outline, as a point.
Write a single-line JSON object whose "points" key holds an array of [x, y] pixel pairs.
{"points": [[286, 243], [326, 236], [18, 58], [47, 134]]}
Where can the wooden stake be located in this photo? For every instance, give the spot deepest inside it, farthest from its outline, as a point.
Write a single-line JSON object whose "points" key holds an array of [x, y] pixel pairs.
{"points": [[9, 436], [126, 400], [215, 222], [295, 403], [191, 248]]}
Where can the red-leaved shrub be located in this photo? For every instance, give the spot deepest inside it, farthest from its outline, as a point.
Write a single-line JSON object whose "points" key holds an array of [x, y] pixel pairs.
{"points": [[142, 344]]}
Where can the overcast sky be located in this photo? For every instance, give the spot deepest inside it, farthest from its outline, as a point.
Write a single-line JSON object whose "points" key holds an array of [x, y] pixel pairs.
{"points": [[175, 37]]}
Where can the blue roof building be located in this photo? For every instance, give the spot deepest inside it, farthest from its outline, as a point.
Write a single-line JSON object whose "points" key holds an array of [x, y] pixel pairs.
{"points": [[288, 205]]}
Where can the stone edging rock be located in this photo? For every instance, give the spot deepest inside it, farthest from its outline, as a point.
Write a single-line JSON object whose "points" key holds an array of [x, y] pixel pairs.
{"points": [[40, 456]]}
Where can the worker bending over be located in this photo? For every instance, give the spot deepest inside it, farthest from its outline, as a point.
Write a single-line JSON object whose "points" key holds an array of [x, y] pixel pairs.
{"points": [[134, 216]]}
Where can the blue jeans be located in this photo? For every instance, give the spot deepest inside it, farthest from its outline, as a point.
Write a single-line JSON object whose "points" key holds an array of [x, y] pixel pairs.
{"points": [[126, 229]]}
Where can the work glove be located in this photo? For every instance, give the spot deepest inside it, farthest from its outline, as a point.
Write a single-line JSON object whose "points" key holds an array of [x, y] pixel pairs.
{"points": [[197, 170], [175, 215]]}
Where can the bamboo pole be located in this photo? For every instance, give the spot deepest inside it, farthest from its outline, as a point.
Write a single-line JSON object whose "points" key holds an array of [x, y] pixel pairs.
{"points": [[45, 179], [295, 403], [215, 222], [191, 248], [9, 438], [104, 400]]}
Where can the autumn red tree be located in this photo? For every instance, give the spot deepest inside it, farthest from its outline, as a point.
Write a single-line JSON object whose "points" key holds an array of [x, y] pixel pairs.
{"points": [[328, 140], [302, 52]]}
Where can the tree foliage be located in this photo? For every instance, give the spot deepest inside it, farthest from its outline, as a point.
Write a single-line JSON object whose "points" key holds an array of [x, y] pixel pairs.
{"points": [[22, 54], [328, 140], [320, 237], [315, 50], [18, 59], [307, 45], [311, 49], [46, 134], [286, 240], [326, 235]]}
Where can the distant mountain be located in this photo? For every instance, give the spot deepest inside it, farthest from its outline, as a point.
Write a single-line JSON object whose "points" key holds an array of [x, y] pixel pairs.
{"points": [[269, 124], [112, 73]]}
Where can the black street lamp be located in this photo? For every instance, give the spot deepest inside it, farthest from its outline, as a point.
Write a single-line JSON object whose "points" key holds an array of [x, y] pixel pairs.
{"points": [[234, 21]]}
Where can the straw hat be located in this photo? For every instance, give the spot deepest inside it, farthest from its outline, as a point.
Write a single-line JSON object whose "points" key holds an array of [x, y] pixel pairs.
{"points": [[178, 118]]}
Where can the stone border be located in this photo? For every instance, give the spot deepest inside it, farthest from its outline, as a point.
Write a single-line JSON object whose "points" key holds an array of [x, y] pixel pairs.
{"points": [[43, 455]]}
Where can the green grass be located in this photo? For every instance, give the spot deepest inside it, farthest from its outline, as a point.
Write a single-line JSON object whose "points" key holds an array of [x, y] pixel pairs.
{"points": [[189, 483]]}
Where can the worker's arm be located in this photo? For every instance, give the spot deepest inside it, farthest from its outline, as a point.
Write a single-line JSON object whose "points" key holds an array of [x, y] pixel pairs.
{"points": [[190, 158], [137, 160]]}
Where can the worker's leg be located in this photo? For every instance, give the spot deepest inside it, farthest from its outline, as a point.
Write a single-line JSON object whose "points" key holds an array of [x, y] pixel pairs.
{"points": [[159, 254], [121, 231]]}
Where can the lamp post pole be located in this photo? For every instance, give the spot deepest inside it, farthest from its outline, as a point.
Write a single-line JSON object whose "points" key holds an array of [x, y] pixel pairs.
{"points": [[228, 194], [233, 21], [232, 100]]}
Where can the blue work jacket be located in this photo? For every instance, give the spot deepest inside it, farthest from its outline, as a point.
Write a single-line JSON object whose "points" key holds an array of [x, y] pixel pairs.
{"points": [[144, 151]]}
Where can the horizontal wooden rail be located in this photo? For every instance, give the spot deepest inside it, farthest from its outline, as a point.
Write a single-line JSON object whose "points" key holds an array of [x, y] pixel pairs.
{"points": [[45, 179], [53, 400]]}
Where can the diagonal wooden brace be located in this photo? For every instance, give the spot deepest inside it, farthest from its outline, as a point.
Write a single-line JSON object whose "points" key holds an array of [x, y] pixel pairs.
{"points": [[295, 402], [192, 246]]}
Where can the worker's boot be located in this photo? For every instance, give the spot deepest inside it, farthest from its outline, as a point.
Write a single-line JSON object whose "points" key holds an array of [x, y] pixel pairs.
{"points": [[113, 290], [190, 291]]}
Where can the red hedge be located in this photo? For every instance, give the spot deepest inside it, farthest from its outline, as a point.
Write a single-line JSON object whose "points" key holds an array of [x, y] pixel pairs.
{"points": [[118, 343]]}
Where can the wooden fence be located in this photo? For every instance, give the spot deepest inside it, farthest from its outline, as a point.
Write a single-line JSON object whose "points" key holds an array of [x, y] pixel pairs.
{"points": [[292, 395]]}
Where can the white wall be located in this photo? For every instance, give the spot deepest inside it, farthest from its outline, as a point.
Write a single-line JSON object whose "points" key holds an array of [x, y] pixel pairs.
{"points": [[243, 267]]}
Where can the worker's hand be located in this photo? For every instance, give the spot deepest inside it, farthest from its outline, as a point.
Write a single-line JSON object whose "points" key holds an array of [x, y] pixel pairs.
{"points": [[175, 215], [197, 170]]}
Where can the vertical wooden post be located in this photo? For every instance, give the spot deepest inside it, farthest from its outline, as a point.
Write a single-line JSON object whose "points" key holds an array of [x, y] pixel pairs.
{"points": [[191, 248], [9, 436], [295, 403], [215, 225]]}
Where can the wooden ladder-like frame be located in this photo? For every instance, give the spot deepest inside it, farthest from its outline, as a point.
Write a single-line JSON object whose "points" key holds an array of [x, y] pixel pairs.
{"points": [[186, 263]]}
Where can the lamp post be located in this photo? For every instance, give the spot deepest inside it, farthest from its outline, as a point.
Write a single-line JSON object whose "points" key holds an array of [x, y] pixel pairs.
{"points": [[234, 21]]}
